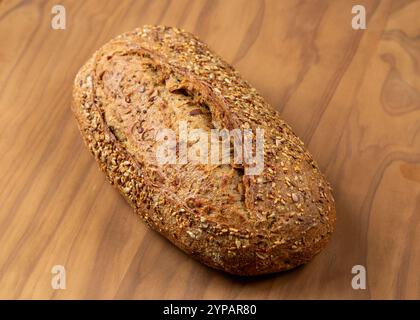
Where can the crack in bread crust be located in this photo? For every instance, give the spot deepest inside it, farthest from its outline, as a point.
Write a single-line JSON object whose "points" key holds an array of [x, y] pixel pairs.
{"points": [[139, 99], [291, 208]]}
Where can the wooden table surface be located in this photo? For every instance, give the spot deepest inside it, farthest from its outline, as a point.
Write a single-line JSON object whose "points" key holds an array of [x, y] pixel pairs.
{"points": [[353, 96]]}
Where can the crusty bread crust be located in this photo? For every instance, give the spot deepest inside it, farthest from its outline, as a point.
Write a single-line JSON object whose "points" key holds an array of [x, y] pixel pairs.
{"points": [[289, 211]]}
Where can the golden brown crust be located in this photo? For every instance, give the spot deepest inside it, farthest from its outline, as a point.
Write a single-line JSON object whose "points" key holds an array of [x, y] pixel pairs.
{"points": [[289, 208]]}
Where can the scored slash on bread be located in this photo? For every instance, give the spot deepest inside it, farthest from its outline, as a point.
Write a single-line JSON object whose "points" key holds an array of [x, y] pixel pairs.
{"points": [[154, 77]]}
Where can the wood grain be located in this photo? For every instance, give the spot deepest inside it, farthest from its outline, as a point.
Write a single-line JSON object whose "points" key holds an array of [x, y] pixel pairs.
{"points": [[352, 95]]}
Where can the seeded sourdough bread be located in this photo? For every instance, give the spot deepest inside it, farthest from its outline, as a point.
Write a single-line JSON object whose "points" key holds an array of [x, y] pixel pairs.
{"points": [[156, 76]]}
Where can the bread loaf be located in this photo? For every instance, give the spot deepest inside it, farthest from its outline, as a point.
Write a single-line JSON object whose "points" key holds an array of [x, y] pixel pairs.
{"points": [[156, 77]]}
